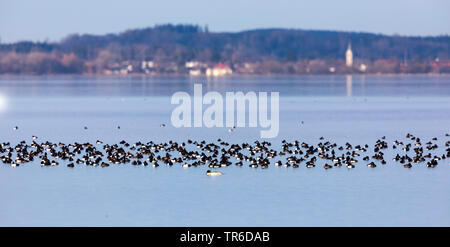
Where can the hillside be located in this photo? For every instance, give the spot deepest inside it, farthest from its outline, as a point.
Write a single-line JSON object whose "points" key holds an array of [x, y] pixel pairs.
{"points": [[177, 44]]}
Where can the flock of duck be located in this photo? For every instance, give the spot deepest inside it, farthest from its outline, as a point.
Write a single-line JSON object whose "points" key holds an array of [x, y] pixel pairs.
{"points": [[408, 153]]}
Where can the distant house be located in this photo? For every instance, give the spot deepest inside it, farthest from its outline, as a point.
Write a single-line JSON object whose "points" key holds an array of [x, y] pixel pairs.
{"points": [[119, 69], [363, 67], [219, 69], [147, 66], [192, 64], [195, 68]]}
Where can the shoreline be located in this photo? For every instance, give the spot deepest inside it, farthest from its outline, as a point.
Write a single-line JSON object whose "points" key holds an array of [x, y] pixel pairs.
{"points": [[227, 76]]}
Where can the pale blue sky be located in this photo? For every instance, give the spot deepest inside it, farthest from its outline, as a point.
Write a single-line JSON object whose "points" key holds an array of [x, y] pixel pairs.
{"points": [[39, 20]]}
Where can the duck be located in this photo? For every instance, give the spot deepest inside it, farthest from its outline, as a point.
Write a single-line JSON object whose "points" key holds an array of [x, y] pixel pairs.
{"points": [[213, 173], [371, 165], [350, 166], [310, 165], [326, 166]]}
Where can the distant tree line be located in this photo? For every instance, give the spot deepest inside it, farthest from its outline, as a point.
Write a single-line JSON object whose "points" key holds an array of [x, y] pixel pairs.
{"points": [[286, 50]]}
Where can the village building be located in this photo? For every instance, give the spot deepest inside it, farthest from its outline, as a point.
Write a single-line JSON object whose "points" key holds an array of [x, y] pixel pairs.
{"points": [[219, 69]]}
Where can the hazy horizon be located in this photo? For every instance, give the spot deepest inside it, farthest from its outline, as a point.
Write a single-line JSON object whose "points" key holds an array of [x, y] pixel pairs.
{"points": [[50, 20]]}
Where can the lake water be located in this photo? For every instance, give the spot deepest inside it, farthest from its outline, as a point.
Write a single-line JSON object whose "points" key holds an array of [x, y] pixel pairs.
{"points": [[355, 109]]}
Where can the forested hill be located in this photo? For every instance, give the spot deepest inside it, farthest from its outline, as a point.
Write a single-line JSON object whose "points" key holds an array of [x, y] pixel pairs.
{"points": [[189, 42]]}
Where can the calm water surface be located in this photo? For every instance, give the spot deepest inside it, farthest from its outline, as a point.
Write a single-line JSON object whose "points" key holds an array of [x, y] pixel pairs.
{"points": [[357, 109]]}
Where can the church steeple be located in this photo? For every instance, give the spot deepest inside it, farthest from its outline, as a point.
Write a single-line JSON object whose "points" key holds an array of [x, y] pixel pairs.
{"points": [[349, 56]]}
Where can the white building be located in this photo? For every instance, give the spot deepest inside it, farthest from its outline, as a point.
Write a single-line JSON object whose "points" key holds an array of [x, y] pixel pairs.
{"points": [[192, 64], [147, 65], [363, 67], [219, 69]]}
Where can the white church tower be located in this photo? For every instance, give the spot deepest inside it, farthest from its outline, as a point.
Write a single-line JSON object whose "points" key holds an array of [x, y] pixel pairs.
{"points": [[349, 56]]}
